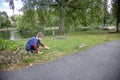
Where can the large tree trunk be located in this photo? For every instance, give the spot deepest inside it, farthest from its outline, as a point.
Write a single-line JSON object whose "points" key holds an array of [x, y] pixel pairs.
{"points": [[62, 18], [118, 16]]}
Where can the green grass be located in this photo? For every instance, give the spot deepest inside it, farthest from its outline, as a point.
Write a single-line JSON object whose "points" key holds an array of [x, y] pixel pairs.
{"points": [[67, 46]]}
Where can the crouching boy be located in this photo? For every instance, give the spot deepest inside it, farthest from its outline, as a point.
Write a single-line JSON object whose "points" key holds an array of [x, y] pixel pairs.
{"points": [[33, 43]]}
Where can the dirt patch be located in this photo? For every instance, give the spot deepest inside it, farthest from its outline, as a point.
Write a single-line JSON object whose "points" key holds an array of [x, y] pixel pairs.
{"points": [[10, 58]]}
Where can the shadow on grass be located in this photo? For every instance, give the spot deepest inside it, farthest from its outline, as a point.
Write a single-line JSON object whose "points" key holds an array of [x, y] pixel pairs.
{"points": [[113, 32]]}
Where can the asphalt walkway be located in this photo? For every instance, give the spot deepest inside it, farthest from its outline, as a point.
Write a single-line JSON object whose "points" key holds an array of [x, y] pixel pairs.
{"points": [[101, 62]]}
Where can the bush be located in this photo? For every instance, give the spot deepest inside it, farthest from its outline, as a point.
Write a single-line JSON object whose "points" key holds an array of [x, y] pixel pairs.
{"points": [[7, 45]]}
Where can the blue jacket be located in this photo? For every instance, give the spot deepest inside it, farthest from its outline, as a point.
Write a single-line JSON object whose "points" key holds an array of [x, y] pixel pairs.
{"points": [[31, 42]]}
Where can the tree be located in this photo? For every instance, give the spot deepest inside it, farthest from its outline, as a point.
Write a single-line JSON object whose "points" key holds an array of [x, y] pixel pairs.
{"points": [[13, 20], [70, 12], [62, 4], [26, 22], [116, 13], [7, 23], [43, 5], [4, 20]]}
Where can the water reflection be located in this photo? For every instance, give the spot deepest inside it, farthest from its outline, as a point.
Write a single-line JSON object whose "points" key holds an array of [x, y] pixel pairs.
{"points": [[9, 35], [12, 35]]}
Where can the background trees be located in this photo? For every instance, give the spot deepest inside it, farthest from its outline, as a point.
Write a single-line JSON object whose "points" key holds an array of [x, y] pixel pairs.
{"points": [[4, 20], [40, 14]]}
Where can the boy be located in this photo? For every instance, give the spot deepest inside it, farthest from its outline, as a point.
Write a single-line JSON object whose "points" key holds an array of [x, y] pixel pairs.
{"points": [[33, 43]]}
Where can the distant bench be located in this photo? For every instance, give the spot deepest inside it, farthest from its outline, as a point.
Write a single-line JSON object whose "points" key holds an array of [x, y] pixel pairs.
{"points": [[107, 27]]}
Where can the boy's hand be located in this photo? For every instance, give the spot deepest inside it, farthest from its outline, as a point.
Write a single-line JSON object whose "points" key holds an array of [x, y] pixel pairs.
{"points": [[47, 47], [40, 52]]}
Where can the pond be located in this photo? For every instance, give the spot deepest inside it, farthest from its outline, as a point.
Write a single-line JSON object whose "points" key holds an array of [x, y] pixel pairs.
{"points": [[13, 35]]}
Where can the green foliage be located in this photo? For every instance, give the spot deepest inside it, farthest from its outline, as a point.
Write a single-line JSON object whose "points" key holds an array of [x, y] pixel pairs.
{"points": [[7, 45], [13, 20], [7, 23], [26, 21], [4, 20], [42, 13], [78, 12], [114, 8], [85, 12]]}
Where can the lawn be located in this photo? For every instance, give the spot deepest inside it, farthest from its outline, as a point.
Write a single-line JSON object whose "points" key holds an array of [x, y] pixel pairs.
{"points": [[61, 46]]}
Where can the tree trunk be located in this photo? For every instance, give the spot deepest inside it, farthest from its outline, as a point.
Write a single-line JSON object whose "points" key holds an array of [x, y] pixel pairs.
{"points": [[62, 18], [118, 17]]}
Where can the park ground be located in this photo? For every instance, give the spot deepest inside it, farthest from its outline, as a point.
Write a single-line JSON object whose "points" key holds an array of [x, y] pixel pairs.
{"points": [[61, 46], [100, 62]]}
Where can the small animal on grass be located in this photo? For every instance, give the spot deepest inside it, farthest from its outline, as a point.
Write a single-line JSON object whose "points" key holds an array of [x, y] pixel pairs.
{"points": [[80, 46]]}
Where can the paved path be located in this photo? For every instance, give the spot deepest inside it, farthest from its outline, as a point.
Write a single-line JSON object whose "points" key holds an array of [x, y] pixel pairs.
{"points": [[101, 62]]}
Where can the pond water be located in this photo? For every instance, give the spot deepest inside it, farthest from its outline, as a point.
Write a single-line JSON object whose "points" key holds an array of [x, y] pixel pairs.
{"points": [[4, 34], [14, 35]]}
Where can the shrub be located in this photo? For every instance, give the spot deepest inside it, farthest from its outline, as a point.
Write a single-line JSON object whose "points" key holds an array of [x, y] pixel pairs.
{"points": [[7, 45]]}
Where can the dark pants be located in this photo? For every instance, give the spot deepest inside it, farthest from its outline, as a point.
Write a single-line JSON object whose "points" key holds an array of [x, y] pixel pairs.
{"points": [[31, 50]]}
